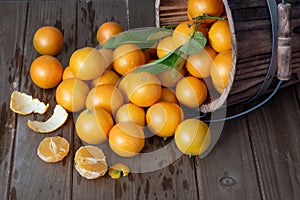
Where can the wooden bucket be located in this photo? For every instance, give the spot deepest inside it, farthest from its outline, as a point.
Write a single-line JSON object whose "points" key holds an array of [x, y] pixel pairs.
{"points": [[254, 46]]}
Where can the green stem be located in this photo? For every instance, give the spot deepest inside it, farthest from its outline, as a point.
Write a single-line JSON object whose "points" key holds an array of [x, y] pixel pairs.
{"points": [[199, 18], [170, 27]]}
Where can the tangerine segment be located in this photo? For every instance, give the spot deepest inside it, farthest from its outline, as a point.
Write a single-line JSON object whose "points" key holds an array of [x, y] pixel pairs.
{"points": [[117, 170], [53, 149], [24, 104], [90, 162], [58, 118]]}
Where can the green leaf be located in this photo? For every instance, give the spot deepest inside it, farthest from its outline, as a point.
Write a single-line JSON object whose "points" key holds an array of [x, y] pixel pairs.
{"points": [[142, 37], [159, 33], [173, 60], [194, 45]]}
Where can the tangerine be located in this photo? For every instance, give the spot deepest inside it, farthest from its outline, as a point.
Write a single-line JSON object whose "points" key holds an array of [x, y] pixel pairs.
{"points": [[71, 94], [108, 30], [191, 91], [48, 40], [127, 57], [46, 71], [126, 139], [192, 137]]}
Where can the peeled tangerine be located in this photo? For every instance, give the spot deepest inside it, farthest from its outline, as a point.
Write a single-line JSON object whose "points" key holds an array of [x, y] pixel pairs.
{"points": [[58, 118], [53, 149], [90, 162], [24, 104]]}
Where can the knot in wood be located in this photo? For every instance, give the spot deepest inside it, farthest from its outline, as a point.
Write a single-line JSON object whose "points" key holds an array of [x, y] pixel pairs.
{"points": [[227, 181]]}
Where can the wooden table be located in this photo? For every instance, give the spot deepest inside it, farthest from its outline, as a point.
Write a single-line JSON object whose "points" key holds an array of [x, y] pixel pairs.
{"points": [[257, 156]]}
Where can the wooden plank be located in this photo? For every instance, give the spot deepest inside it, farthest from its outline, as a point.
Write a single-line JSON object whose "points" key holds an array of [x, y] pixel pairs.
{"points": [[141, 13], [31, 177], [228, 172], [12, 25], [274, 131], [91, 14], [172, 177]]}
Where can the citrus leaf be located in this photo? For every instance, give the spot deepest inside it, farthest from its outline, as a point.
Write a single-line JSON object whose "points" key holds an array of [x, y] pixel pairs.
{"points": [[173, 60], [194, 45], [161, 33], [142, 37]]}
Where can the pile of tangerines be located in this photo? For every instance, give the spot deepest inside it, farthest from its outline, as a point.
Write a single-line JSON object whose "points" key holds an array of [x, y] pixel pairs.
{"points": [[114, 102]]}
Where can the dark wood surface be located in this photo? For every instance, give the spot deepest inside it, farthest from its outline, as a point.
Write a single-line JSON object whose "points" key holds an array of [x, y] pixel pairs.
{"points": [[257, 156]]}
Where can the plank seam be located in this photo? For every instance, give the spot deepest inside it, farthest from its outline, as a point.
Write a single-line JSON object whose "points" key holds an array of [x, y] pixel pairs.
{"points": [[256, 162], [196, 178], [127, 14], [297, 94], [11, 167]]}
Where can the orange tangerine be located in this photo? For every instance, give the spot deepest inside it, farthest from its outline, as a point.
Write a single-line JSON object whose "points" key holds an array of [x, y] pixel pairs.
{"points": [[191, 92], [144, 89], [198, 65], [92, 126], [219, 36], [107, 78], [220, 70], [107, 97], [126, 139], [163, 118], [168, 95], [127, 57], [67, 74], [131, 112]]}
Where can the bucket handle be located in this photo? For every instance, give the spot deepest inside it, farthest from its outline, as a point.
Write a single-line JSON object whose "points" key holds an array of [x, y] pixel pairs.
{"points": [[272, 6], [284, 49]]}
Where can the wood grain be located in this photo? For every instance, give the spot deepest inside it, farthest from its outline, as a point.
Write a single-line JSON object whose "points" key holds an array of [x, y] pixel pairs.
{"points": [[274, 129], [31, 177], [11, 54], [91, 14], [257, 156], [141, 14], [228, 171]]}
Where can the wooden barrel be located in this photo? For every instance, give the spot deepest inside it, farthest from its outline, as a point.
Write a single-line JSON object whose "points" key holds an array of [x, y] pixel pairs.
{"points": [[254, 46]]}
